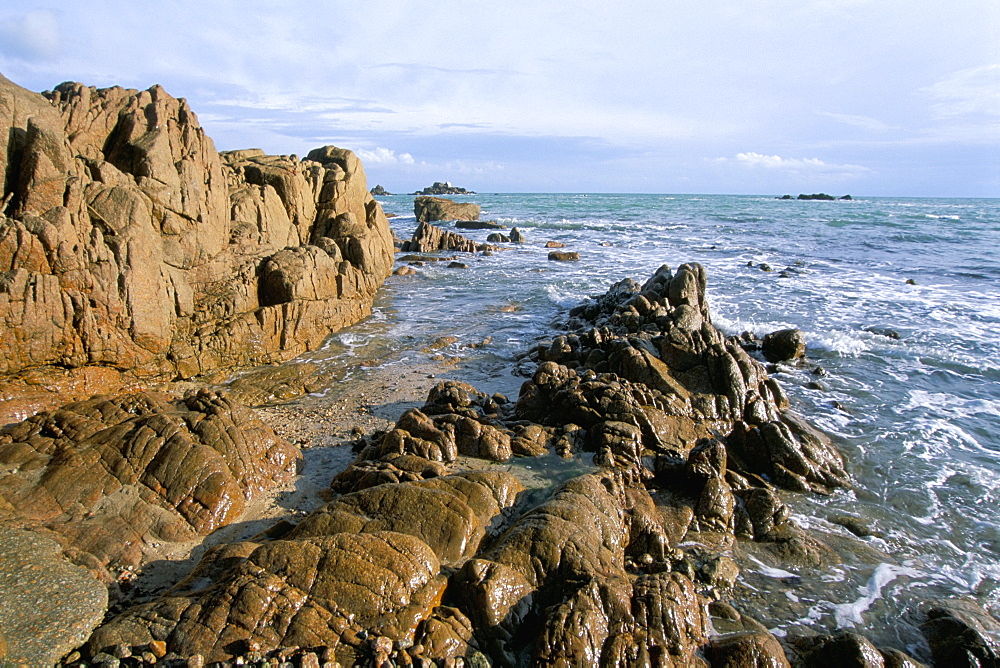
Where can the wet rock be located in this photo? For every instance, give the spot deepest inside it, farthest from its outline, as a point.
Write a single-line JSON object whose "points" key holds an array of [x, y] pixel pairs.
{"points": [[554, 244], [109, 475], [364, 473], [841, 649], [475, 439], [497, 238], [961, 633], [428, 238], [446, 634], [530, 441], [478, 225], [579, 630], [791, 453], [517, 237], [564, 256], [450, 514], [785, 345], [328, 591], [415, 434], [748, 649], [429, 209]]}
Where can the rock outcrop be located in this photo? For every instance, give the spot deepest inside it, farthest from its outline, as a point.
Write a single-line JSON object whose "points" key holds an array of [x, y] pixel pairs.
{"points": [[132, 251], [88, 490], [428, 238], [688, 438], [111, 475], [430, 209]]}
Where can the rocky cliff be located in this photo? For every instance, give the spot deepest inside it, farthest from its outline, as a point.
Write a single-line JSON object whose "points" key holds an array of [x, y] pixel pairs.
{"points": [[132, 251]]}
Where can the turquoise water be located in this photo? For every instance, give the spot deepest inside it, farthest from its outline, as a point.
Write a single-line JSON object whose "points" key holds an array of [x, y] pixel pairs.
{"points": [[900, 303]]}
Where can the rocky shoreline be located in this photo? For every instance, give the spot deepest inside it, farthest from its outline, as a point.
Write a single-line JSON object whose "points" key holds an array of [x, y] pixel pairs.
{"points": [[597, 513]]}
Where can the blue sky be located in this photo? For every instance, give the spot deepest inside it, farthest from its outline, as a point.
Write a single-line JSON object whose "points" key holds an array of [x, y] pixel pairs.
{"points": [[865, 97]]}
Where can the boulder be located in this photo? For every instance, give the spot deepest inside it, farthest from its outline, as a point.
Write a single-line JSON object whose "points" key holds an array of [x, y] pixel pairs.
{"points": [[131, 250], [961, 633], [564, 256], [785, 345], [748, 649], [429, 209]]}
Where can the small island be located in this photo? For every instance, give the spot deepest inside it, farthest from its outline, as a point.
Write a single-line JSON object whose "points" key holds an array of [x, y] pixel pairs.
{"points": [[444, 188], [817, 196]]}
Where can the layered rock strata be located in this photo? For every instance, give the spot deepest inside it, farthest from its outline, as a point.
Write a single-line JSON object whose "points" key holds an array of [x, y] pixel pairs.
{"points": [[131, 250]]}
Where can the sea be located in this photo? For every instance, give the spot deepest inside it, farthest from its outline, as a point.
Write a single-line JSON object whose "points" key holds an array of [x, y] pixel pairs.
{"points": [[899, 299]]}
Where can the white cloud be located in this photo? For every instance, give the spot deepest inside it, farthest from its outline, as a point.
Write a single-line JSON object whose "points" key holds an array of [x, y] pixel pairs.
{"points": [[806, 168], [31, 36], [863, 122], [755, 160], [384, 156], [971, 91]]}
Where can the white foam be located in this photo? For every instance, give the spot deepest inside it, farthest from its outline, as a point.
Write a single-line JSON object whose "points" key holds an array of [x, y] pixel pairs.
{"points": [[770, 571], [951, 405], [851, 614]]}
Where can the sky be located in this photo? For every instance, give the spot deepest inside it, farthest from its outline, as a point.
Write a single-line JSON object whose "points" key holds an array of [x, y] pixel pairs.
{"points": [[868, 97]]}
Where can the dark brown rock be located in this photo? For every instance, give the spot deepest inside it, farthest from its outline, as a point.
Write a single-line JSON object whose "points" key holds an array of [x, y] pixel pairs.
{"points": [[564, 256], [784, 345], [961, 633], [843, 649], [748, 649]]}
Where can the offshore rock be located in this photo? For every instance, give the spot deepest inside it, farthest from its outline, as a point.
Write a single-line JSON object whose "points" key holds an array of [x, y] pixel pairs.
{"points": [[651, 352], [428, 238], [110, 475], [784, 345], [430, 209], [131, 250], [444, 188]]}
